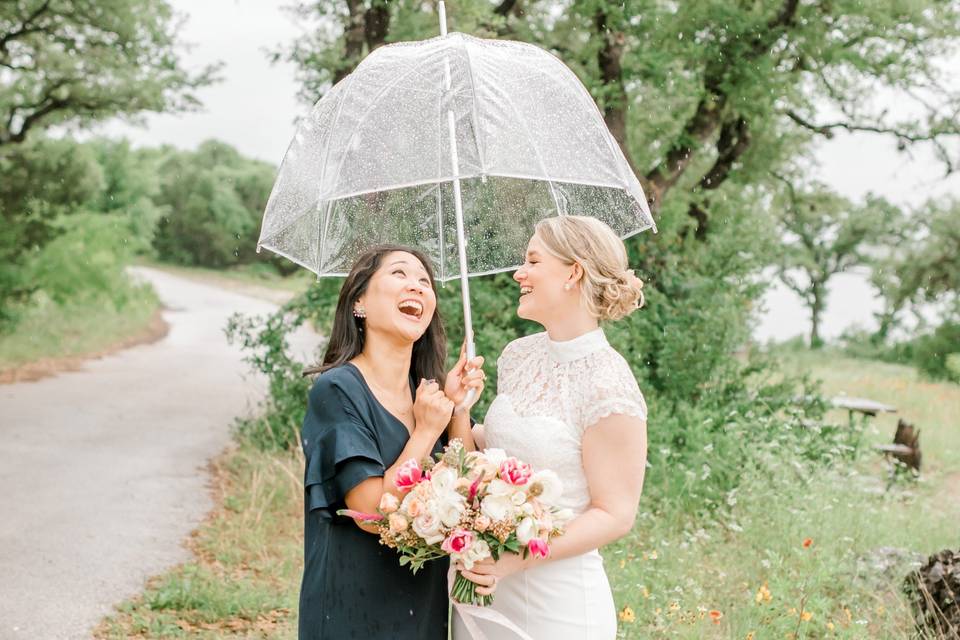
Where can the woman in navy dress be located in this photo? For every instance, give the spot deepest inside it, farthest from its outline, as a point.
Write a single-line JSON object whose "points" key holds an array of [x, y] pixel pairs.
{"points": [[376, 404]]}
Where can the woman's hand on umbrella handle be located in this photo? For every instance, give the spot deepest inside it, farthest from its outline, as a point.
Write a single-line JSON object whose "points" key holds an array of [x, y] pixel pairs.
{"points": [[465, 381]]}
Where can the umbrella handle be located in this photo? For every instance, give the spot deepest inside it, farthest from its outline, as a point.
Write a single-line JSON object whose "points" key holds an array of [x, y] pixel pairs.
{"points": [[471, 353]]}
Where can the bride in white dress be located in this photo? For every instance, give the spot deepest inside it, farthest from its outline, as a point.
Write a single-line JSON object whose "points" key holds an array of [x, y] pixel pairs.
{"points": [[567, 401]]}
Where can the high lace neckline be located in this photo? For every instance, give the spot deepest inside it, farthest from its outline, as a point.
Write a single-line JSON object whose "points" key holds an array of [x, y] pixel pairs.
{"points": [[579, 347]]}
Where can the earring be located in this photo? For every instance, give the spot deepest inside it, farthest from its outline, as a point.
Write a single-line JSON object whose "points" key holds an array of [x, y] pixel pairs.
{"points": [[359, 312], [566, 286]]}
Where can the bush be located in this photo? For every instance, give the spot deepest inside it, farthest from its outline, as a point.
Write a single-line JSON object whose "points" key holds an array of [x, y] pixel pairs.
{"points": [[85, 261]]}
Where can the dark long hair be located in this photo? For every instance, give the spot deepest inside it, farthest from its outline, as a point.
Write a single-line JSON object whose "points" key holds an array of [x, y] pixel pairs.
{"points": [[349, 335]]}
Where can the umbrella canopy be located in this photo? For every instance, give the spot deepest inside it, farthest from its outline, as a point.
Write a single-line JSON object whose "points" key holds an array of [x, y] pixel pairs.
{"points": [[377, 160]]}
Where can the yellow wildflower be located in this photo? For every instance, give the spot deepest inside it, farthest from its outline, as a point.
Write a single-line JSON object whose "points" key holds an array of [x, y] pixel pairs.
{"points": [[806, 616], [627, 615]]}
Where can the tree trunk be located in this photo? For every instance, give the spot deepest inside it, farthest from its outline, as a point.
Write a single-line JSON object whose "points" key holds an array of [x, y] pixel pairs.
{"points": [[816, 311]]}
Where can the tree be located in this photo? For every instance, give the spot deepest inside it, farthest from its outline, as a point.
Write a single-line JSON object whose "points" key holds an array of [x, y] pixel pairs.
{"points": [[825, 234], [78, 61], [924, 268], [700, 95], [213, 199]]}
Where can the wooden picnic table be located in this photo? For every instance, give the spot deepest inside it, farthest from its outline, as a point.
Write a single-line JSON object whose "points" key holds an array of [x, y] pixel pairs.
{"points": [[862, 405]]}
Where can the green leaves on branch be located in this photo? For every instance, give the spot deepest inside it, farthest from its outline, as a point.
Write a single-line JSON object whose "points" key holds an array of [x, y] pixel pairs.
{"points": [[79, 61]]}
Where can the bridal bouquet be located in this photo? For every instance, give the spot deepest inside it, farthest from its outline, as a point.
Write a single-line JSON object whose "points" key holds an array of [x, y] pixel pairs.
{"points": [[469, 506]]}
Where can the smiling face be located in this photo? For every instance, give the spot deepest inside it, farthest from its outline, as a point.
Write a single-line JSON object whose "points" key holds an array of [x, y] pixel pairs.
{"points": [[542, 278], [399, 299]]}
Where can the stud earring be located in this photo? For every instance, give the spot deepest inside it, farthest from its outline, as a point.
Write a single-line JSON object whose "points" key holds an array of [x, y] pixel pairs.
{"points": [[359, 312], [566, 286]]}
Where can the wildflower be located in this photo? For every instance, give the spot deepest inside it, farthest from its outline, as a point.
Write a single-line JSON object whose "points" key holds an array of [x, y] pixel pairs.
{"points": [[806, 616], [645, 592], [830, 626], [627, 615], [715, 616], [763, 594], [807, 543], [749, 636]]}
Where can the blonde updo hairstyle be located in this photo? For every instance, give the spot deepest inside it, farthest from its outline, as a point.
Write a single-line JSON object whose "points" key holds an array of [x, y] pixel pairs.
{"points": [[609, 290]]}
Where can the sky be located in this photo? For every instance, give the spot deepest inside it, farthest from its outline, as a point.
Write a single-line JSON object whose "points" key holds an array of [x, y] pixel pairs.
{"points": [[255, 106]]}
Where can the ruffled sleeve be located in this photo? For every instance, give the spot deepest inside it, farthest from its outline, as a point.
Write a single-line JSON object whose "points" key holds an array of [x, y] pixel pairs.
{"points": [[613, 391], [340, 448]]}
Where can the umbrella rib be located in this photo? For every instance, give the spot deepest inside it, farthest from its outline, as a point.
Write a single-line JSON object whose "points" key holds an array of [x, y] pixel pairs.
{"points": [[475, 102]]}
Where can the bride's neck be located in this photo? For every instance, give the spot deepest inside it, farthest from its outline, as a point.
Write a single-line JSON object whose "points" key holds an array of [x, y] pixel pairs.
{"points": [[571, 326]]}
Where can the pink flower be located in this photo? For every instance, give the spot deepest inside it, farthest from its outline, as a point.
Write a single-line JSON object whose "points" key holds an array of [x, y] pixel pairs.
{"points": [[538, 548], [515, 472], [389, 503], [408, 475], [458, 541], [482, 523]]}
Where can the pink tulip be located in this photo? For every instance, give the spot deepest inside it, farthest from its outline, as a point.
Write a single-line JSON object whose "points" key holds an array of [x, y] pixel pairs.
{"points": [[538, 548], [357, 515], [458, 541], [408, 475], [514, 472]]}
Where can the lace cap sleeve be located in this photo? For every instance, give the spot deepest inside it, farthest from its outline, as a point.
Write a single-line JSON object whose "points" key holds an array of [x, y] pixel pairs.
{"points": [[611, 390]]}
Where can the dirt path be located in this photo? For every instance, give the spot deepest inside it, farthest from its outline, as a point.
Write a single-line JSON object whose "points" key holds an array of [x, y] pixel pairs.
{"points": [[103, 470]]}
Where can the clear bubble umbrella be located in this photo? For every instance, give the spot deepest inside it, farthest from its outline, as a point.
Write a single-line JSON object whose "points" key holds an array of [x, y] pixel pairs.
{"points": [[455, 145]]}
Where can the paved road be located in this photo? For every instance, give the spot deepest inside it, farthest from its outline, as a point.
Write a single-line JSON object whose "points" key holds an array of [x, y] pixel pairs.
{"points": [[103, 471]]}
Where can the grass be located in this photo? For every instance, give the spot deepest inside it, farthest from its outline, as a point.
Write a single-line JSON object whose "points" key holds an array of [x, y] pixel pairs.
{"points": [[50, 331], [245, 579], [743, 573]]}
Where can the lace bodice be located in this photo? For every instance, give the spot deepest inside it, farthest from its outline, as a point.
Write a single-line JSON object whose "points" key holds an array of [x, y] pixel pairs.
{"points": [[549, 393]]}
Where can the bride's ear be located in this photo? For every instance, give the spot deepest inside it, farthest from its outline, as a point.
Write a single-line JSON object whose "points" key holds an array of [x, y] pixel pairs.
{"points": [[576, 274]]}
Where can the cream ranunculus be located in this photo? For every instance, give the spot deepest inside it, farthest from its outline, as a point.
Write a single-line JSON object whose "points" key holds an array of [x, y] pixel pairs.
{"points": [[527, 530], [477, 552], [428, 527]]}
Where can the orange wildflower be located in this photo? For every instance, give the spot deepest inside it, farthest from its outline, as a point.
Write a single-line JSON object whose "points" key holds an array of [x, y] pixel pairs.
{"points": [[807, 543], [715, 616]]}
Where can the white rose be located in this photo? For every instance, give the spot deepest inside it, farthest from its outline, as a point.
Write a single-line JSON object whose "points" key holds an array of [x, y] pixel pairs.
{"points": [[478, 551], [497, 508], [526, 530], [526, 509], [551, 484], [518, 497], [495, 456], [498, 487], [444, 479], [448, 507], [427, 526]]}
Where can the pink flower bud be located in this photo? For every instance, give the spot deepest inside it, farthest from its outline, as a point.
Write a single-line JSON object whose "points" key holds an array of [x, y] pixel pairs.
{"points": [[398, 523], [538, 548], [389, 503]]}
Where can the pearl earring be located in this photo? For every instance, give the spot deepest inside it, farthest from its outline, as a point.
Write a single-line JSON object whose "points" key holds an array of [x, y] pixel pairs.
{"points": [[359, 312], [566, 286]]}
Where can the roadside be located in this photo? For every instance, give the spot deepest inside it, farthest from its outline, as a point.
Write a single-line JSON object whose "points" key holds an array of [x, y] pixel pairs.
{"points": [[103, 472]]}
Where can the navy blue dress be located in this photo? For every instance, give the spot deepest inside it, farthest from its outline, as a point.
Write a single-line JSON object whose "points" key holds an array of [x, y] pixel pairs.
{"points": [[354, 587]]}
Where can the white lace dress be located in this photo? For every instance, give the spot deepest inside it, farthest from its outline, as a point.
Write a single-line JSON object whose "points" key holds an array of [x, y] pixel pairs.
{"points": [[548, 394]]}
